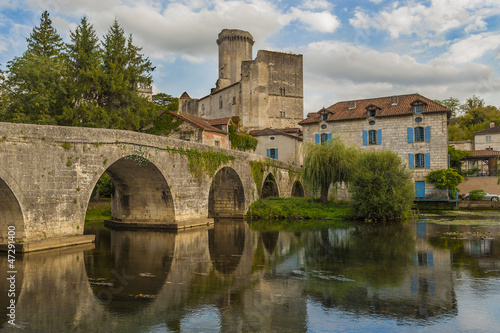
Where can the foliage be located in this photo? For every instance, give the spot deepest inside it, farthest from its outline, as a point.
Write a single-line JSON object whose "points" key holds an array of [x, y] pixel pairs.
{"points": [[381, 187], [327, 164], [297, 208], [258, 173], [241, 140], [98, 211], [444, 179], [205, 161], [477, 195], [166, 101], [164, 124], [78, 84], [457, 156], [105, 186], [451, 103]]}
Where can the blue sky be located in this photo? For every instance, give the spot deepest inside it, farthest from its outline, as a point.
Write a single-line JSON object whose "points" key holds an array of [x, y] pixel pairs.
{"points": [[352, 49]]}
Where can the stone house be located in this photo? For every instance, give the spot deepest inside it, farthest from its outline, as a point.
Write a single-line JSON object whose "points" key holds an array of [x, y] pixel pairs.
{"points": [[413, 126], [284, 144], [265, 93], [488, 138], [197, 129]]}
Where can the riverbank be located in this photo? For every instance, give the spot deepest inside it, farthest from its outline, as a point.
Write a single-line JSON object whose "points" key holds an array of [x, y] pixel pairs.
{"points": [[298, 209], [98, 211]]}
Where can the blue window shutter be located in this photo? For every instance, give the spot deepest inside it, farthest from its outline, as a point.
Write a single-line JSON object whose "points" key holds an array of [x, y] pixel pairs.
{"points": [[317, 137], [430, 259], [379, 137], [268, 152], [329, 136], [276, 153], [428, 134], [411, 161], [410, 134], [365, 138], [427, 160]]}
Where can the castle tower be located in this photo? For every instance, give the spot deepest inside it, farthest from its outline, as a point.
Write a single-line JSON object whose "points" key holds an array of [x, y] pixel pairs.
{"points": [[235, 46]]}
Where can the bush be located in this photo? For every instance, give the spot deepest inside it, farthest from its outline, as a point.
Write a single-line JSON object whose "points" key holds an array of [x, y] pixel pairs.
{"points": [[445, 179], [477, 195], [382, 186]]}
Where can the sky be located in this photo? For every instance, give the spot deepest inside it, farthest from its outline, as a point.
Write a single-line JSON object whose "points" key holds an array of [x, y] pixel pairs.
{"points": [[352, 49]]}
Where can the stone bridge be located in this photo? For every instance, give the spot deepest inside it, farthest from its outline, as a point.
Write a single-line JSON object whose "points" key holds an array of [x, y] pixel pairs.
{"points": [[48, 173]]}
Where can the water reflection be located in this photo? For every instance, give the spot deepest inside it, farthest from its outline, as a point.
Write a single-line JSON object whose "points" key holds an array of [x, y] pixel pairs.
{"points": [[231, 278]]}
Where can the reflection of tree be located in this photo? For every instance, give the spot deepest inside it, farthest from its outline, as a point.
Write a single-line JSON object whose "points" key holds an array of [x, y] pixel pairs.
{"points": [[366, 254]]}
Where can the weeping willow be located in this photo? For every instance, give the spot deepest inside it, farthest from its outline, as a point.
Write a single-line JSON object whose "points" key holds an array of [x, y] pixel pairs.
{"points": [[330, 163]]}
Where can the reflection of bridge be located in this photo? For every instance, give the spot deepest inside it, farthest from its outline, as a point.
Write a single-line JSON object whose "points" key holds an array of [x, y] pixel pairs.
{"points": [[47, 175]]}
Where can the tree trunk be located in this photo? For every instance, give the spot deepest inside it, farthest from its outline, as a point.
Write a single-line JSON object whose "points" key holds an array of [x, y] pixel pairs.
{"points": [[324, 194]]}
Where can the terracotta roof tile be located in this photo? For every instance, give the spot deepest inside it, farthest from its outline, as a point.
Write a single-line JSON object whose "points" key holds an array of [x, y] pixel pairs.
{"points": [[341, 111], [198, 122], [220, 121], [490, 130], [484, 153]]}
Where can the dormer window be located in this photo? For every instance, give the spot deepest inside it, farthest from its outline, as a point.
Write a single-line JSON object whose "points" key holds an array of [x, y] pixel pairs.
{"points": [[371, 110], [352, 105], [418, 106], [394, 100], [324, 116]]}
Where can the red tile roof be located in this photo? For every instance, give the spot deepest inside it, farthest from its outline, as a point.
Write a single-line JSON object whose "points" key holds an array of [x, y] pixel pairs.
{"points": [[490, 130], [197, 122], [341, 111], [220, 121], [484, 153]]}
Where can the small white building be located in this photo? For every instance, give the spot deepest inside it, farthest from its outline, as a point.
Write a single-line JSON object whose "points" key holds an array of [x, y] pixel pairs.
{"points": [[282, 144], [413, 126]]}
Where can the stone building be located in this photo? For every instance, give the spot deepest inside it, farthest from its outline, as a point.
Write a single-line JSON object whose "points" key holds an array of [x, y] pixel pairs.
{"points": [[193, 128], [284, 144], [413, 126], [266, 92]]}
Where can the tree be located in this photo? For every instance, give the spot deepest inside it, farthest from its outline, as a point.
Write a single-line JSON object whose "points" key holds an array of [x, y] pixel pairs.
{"points": [[85, 73], [34, 87], [328, 164], [456, 157], [166, 101], [451, 103], [445, 179], [381, 186], [124, 70]]}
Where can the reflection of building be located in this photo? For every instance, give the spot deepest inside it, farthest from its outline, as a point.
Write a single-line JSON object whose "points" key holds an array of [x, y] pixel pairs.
{"points": [[412, 126]]}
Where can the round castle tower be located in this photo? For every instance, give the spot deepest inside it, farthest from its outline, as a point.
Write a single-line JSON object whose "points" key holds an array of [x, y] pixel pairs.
{"points": [[235, 46]]}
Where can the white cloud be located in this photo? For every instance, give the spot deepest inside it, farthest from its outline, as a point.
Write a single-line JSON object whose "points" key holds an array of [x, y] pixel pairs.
{"points": [[317, 4], [472, 48], [322, 21], [335, 71], [439, 17]]}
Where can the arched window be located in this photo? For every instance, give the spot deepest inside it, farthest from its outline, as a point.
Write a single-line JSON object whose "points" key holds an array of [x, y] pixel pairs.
{"points": [[419, 134], [220, 102]]}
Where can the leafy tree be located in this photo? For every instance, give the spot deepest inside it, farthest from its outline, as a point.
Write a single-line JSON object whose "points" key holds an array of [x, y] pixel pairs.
{"points": [[456, 157], [445, 179], [473, 102], [34, 87], [451, 103], [381, 186], [166, 101], [328, 164]]}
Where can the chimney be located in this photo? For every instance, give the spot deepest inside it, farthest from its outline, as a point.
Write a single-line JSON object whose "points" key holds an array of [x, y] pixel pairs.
{"points": [[492, 124]]}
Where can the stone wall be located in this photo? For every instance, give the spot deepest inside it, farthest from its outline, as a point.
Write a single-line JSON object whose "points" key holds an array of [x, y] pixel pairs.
{"points": [[394, 137]]}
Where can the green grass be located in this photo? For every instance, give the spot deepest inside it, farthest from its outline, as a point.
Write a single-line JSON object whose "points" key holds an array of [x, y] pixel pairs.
{"points": [[98, 211], [298, 208]]}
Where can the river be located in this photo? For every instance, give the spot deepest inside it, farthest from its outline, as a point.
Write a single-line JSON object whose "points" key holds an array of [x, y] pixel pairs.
{"points": [[417, 276]]}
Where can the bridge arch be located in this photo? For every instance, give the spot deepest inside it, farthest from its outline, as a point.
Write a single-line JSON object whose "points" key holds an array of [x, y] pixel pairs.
{"points": [[227, 196], [270, 187], [297, 189], [141, 194], [11, 214]]}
